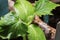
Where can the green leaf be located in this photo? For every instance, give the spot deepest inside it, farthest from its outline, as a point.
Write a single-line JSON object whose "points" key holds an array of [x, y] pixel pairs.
{"points": [[18, 29], [3, 7], [25, 11], [5, 22], [18, 1], [11, 26], [7, 19], [35, 33], [44, 7]]}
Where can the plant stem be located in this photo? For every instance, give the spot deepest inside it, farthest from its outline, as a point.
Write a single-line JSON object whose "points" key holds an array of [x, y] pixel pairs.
{"points": [[8, 39], [24, 37], [45, 26]]}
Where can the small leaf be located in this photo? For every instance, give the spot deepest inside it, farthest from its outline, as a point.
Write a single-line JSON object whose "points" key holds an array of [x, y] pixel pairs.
{"points": [[7, 19], [35, 33], [44, 7]]}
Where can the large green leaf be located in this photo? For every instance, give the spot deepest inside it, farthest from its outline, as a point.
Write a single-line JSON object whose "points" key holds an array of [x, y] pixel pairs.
{"points": [[3, 7], [24, 10], [5, 23], [44, 7], [35, 33], [18, 29], [11, 26]]}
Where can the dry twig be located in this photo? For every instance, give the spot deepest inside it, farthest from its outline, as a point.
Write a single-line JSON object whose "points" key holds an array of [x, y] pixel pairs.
{"points": [[47, 29]]}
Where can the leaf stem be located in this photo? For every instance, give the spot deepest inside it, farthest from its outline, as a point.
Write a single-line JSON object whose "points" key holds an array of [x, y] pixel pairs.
{"points": [[24, 37]]}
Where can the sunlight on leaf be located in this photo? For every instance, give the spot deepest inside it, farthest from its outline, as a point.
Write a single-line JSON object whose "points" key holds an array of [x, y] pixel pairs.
{"points": [[44, 7], [24, 10], [35, 33]]}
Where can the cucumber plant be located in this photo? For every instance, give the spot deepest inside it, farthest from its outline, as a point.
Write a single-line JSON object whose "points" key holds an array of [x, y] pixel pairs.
{"points": [[19, 22]]}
